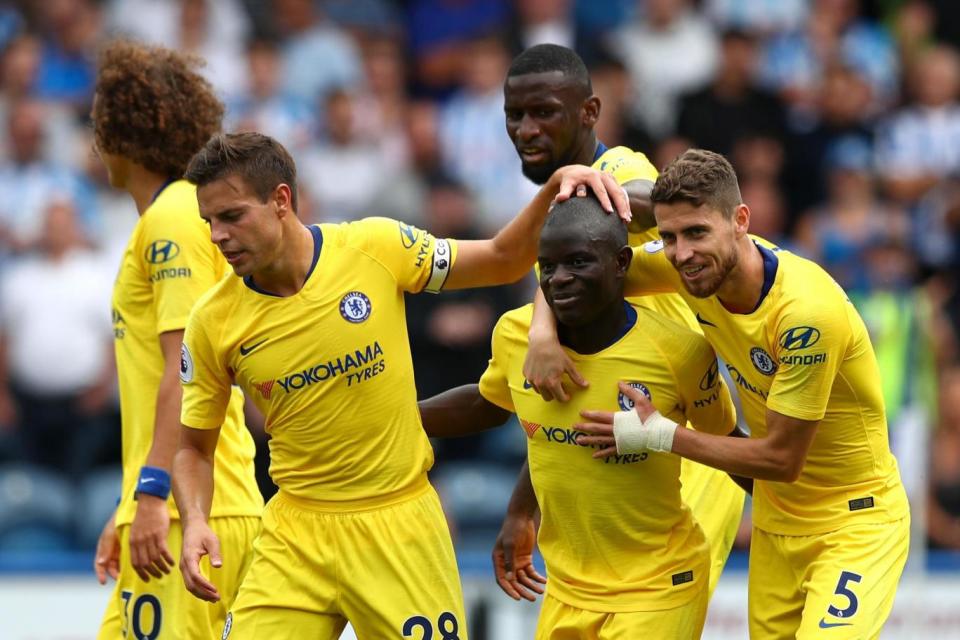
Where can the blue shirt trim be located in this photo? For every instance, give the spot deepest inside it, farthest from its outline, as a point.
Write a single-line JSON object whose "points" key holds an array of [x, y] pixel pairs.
{"points": [[770, 264], [601, 149], [156, 194], [317, 246]]}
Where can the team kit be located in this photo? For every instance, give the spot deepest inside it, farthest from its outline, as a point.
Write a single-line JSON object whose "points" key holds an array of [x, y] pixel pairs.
{"points": [[634, 484]]}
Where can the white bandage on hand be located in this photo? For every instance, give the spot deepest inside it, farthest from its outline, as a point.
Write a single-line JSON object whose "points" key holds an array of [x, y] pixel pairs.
{"points": [[634, 435]]}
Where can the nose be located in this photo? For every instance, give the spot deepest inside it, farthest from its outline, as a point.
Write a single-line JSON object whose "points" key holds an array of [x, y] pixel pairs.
{"points": [[528, 128], [560, 277], [218, 232], [682, 250]]}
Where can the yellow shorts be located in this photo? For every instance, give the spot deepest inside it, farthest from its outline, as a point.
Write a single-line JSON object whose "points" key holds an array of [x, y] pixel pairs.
{"points": [[163, 609], [717, 504], [840, 583], [389, 570], [560, 621]]}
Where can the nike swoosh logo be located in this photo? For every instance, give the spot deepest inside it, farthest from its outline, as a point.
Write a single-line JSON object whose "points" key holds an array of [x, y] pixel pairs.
{"points": [[826, 625], [146, 480], [246, 350], [527, 385], [702, 321]]}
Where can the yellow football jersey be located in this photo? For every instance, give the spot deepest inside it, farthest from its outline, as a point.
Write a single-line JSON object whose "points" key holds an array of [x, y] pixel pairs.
{"points": [[803, 352], [329, 367], [614, 533], [626, 166], [168, 264]]}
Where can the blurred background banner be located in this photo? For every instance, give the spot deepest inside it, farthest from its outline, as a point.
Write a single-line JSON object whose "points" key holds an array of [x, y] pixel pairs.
{"points": [[841, 117]]}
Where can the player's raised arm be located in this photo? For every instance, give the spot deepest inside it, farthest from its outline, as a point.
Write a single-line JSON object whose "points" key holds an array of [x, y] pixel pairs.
{"points": [[461, 411], [510, 254]]}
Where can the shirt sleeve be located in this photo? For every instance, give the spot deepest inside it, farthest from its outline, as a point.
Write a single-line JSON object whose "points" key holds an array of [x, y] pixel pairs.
{"points": [[626, 165], [650, 271], [205, 379], [494, 384], [812, 340], [179, 260], [708, 405], [417, 260]]}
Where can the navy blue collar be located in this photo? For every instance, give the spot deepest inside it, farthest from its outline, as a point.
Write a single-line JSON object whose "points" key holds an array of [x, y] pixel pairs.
{"points": [[630, 322], [317, 245], [156, 194], [770, 264], [601, 149]]}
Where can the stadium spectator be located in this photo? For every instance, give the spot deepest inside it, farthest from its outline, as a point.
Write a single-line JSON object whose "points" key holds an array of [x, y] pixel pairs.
{"points": [[263, 105], [56, 349], [669, 51], [794, 62], [318, 57], [473, 147], [919, 144], [381, 104], [943, 504], [760, 17], [343, 172], [224, 64], [440, 33], [66, 71], [732, 105], [30, 183], [838, 232]]}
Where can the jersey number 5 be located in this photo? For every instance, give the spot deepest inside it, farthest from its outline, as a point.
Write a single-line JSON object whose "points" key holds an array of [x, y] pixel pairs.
{"points": [[843, 590]]}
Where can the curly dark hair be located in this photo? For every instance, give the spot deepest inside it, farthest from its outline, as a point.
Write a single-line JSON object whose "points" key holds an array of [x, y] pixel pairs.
{"points": [[152, 107]]}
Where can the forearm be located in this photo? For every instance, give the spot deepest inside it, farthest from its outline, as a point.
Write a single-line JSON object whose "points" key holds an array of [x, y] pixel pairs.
{"points": [[742, 481], [543, 324], [748, 457], [166, 429], [516, 244], [523, 500], [460, 412], [193, 482], [638, 192]]}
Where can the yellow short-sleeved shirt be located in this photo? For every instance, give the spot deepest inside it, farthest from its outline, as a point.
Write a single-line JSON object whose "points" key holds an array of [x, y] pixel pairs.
{"points": [[168, 264], [803, 352], [615, 534], [329, 367]]}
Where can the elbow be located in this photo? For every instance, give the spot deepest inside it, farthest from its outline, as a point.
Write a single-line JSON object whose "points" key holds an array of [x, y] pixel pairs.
{"points": [[788, 469]]}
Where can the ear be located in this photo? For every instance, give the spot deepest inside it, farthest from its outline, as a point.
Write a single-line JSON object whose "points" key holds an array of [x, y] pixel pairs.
{"points": [[741, 219], [624, 257], [590, 111], [283, 199]]}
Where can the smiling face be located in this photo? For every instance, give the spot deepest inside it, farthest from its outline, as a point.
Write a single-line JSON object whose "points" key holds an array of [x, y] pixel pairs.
{"points": [[550, 121], [701, 243], [248, 232], [581, 277]]}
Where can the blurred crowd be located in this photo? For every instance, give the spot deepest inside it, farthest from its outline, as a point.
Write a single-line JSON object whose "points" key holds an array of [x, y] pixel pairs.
{"points": [[842, 118]]}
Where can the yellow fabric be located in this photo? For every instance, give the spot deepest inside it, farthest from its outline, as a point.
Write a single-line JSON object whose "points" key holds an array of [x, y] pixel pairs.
{"points": [[168, 264], [329, 367], [163, 609], [715, 500], [839, 584], [390, 571], [805, 353], [626, 510], [559, 621]]}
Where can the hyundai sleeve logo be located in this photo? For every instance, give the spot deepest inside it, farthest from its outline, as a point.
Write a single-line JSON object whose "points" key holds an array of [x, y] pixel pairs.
{"points": [[162, 251], [799, 338]]}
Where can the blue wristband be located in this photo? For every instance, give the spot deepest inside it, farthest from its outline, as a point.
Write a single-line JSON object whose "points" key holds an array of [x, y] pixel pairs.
{"points": [[153, 481]]}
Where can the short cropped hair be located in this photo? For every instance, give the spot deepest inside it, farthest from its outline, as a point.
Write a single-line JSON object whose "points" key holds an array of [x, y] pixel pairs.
{"points": [[544, 58], [152, 107], [587, 216], [259, 160], [699, 177]]}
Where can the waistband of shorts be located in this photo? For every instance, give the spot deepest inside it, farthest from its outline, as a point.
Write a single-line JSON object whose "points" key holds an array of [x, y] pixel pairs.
{"points": [[416, 489]]}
